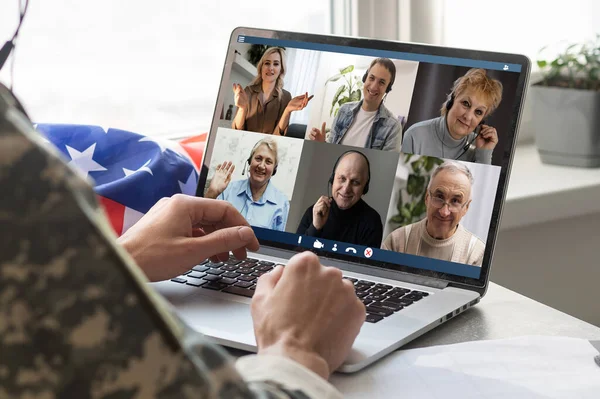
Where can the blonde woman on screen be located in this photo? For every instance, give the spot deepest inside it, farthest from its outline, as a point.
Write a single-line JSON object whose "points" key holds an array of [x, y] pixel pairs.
{"points": [[264, 106]]}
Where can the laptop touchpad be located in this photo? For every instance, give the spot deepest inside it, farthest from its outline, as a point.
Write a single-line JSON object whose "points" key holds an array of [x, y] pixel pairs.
{"points": [[219, 317]]}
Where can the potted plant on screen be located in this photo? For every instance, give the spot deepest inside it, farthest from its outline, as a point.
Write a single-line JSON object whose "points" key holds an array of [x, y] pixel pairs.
{"points": [[566, 106], [350, 89], [411, 198]]}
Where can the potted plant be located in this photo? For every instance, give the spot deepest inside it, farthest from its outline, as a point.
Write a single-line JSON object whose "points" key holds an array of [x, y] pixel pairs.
{"points": [[350, 90], [566, 106], [411, 199]]}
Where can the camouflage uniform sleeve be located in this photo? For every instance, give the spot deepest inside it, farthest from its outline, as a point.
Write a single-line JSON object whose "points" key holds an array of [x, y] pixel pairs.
{"points": [[272, 377], [268, 372], [77, 317]]}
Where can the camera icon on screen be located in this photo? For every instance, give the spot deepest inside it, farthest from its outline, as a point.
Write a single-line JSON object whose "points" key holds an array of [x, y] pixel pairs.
{"points": [[318, 244]]}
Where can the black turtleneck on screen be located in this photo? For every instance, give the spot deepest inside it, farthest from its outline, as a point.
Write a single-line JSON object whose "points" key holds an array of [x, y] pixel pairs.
{"points": [[359, 225]]}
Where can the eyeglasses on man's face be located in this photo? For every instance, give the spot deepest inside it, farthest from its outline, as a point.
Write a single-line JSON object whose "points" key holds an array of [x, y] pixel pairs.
{"points": [[454, 205]]}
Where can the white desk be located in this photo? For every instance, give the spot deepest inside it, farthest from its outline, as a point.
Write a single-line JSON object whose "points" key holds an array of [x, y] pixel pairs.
{"points": [[503, 313]]}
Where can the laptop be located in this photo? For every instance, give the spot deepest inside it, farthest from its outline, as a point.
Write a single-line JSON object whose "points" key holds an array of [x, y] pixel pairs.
{"points": [[408, 286]]}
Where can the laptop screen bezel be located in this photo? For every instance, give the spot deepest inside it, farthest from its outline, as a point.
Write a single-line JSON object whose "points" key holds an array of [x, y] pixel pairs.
{"points": [[478, 284]]}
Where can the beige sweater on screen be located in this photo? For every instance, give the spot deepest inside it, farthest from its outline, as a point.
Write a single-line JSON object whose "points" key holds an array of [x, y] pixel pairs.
{"points": [[462, 247]]}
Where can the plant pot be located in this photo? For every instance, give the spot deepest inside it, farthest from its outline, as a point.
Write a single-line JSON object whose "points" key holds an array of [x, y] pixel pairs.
{"points": [[566, 123]]}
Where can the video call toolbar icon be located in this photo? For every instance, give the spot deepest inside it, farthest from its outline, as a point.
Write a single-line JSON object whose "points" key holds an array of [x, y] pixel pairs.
{"points": [[318, 244], [505, 67], [334, 249], [368, 252], [350, 249], [241, 39]]}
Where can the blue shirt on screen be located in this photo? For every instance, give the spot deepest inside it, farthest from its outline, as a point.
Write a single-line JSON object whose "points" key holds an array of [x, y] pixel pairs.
{"points": [[270, 211]]}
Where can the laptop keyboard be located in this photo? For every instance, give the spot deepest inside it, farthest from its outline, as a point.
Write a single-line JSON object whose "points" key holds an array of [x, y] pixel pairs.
{"points": [[239, 278], [382, 300]]}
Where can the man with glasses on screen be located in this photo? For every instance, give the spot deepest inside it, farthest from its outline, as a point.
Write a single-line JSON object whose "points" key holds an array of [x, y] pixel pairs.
{"points": [[440, 235]]}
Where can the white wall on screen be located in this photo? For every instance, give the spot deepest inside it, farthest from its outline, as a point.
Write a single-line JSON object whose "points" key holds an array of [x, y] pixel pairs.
{"points": [[236, 145], [397, 101]]}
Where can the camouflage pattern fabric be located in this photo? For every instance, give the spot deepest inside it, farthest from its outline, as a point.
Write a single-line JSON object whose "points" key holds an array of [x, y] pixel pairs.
{"points": [[77, 319]]}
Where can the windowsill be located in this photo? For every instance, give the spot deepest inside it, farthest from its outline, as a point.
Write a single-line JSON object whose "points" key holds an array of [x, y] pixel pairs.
{"points": [[539, 192]]}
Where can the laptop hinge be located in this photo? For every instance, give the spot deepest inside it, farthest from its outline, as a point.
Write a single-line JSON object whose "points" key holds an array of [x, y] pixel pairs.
{"points": [[363, 269]]}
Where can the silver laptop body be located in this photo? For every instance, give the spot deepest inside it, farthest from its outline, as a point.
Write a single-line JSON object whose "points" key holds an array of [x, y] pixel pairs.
{"points": [[443, 292]]}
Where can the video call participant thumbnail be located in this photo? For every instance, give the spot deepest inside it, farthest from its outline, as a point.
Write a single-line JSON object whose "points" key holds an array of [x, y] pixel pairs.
{"points": [[256, 198], [440, 235], [345, 216], [367, 123], [264, 106], [474, 97]]}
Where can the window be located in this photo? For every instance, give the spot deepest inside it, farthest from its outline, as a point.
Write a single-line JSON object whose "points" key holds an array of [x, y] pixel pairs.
{"points": [[152, 67], [518, 26], [513, 26]]}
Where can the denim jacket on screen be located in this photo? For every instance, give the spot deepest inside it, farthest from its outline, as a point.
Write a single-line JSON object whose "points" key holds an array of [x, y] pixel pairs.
{"points": [[384, 134]]}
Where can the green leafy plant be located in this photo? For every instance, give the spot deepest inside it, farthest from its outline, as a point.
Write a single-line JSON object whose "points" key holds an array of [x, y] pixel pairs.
{"points": [[411, 199], [350, 90], [576, 67]]}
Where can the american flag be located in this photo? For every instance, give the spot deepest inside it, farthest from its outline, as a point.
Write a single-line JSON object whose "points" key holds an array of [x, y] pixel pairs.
{"points": [[130, 171]]}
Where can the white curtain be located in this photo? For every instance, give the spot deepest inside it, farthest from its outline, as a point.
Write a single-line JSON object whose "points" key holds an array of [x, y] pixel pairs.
{"points": [[300, 78]]}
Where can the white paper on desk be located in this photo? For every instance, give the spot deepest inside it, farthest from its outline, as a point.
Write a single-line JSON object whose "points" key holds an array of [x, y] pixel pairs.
{"points": [[525, 367]]}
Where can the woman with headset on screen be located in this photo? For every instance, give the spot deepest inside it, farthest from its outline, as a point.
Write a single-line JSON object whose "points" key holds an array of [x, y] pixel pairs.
{"points": [[256, 198], [264, 106], [460, 133]]}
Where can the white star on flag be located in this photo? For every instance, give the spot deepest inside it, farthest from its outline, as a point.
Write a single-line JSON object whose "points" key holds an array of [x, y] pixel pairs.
{"points": [[83, 161], [143, 168], [189, 187]]}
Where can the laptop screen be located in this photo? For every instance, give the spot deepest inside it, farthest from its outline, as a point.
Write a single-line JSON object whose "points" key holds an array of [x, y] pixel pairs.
{"points": [[386, 154]]}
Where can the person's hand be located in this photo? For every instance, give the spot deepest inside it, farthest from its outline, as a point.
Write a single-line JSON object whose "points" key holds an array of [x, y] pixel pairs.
{"points": [[179, 232], [316, 134], [239, 96], [220, 180], [298, 103], [487, 139], [307, 312], [321, 212]]}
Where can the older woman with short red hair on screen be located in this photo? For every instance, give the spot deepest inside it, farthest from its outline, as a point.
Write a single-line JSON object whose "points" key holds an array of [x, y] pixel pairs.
{"points": [[460, 133]]}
